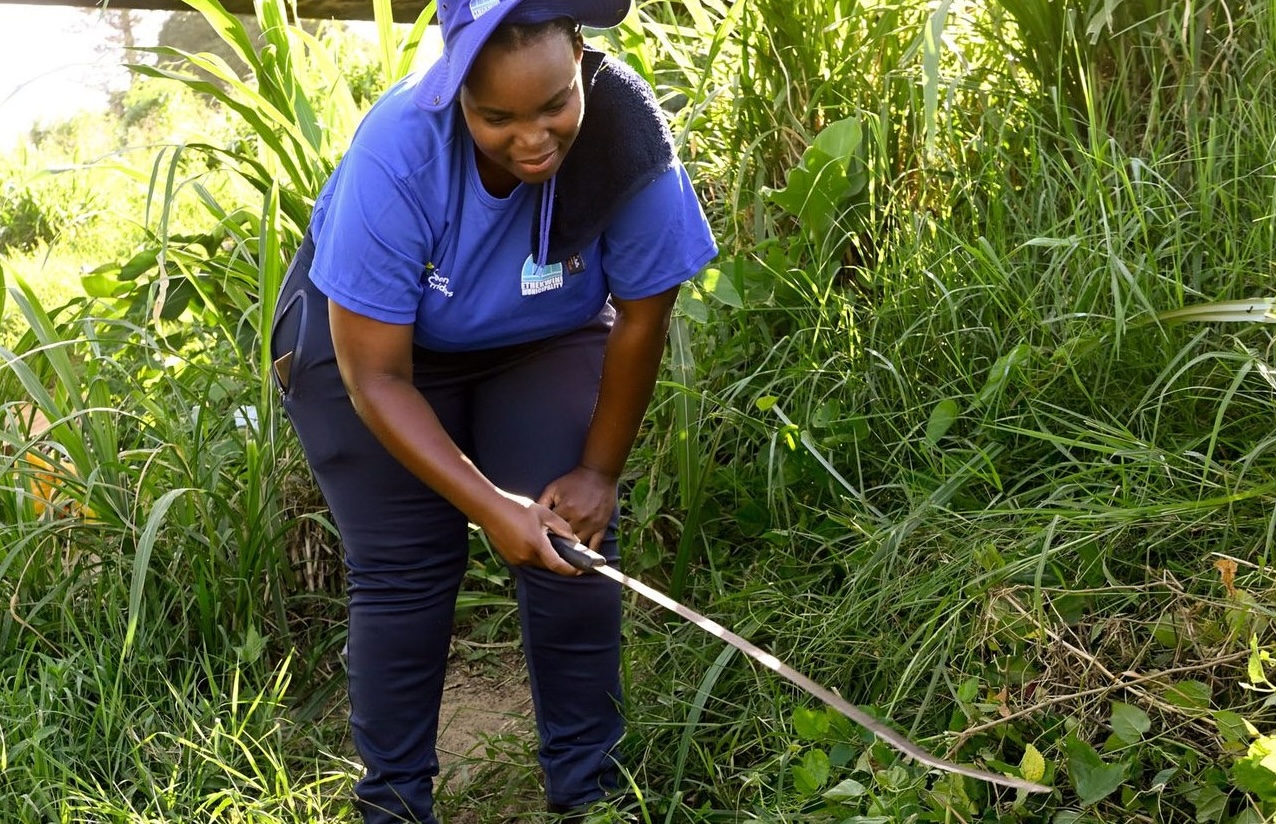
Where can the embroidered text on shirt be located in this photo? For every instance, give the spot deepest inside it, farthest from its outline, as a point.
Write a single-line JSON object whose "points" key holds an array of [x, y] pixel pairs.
{"points": [[437, 282]]}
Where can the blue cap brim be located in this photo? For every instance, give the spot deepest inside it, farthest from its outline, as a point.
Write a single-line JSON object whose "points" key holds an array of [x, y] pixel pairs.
{"points": [[596, 14], [442, 81]]}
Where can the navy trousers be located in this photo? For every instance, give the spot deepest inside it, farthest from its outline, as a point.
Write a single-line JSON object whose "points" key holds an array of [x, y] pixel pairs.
{"points": [[520, 413]]}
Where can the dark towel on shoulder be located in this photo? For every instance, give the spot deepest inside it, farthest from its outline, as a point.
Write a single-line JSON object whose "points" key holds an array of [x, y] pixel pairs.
{"points": [[624, 144]]}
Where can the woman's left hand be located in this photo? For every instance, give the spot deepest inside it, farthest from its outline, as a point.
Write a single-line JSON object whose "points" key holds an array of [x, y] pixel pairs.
{"points": [[586, 499], [586, 496]]}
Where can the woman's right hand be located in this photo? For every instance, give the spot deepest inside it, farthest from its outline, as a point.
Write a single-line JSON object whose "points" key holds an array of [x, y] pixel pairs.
{"points": [[517, 527]]}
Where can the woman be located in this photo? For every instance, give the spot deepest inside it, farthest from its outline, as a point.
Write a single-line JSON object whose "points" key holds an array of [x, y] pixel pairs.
{"points": [[470, 333]]}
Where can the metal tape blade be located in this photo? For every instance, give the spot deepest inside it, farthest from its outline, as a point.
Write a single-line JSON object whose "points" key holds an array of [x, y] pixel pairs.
{"points": [[835, 701]]}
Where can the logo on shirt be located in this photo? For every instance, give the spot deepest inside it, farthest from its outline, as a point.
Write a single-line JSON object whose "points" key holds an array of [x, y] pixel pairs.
{"points": [[575, 264], [537, 279], [436, 281]]}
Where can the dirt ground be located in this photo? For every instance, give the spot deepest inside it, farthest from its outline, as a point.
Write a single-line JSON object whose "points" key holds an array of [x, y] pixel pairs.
{"points": [[481, 702]]}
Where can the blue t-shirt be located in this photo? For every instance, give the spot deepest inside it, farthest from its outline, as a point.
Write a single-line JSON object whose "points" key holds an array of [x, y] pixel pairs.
{"points": [[405, 233]]}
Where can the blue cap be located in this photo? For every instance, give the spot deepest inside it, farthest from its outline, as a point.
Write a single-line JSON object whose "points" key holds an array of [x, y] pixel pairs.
{"points": [[467, 24]]}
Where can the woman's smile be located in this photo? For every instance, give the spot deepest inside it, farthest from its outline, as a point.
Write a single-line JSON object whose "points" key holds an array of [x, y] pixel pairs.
{"points": [[536, 166]]}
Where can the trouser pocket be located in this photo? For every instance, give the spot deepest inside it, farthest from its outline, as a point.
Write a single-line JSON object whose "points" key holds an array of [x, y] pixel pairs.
{"points": [[286, 340], [290, 319]]}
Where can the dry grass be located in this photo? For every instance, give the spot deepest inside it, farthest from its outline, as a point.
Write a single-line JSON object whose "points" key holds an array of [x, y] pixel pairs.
{"points": [[1075, 668]]}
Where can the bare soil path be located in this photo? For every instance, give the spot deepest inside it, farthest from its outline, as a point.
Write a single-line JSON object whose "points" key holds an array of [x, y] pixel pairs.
{"points": [[486, 727]]}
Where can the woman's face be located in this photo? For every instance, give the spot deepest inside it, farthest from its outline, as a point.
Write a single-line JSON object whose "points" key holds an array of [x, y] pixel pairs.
{"points": [[523, 105]]}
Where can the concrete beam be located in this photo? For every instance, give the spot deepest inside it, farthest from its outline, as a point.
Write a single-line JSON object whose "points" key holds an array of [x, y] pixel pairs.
{"points": [[405, 11]]}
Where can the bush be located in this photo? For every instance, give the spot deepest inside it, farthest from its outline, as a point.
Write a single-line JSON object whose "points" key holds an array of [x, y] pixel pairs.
{"points": [[25, 221]]}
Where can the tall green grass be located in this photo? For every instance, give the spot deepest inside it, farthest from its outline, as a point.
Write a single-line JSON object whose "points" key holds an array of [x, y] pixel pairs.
{"points": [[169, 643], [975, 469]]}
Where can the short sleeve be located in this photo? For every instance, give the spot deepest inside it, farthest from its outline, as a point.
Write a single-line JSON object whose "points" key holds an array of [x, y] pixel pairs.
{"points": [[372, 242], [659, 239]]}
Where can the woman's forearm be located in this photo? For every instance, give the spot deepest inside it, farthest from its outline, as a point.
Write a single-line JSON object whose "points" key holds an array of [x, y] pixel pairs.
{"points": [[630, 367], [375, 362], [405, 424]]}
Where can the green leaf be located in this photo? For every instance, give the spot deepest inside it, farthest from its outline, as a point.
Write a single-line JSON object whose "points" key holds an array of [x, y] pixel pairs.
{"points": [[1091, 777], [752, 518], [812, 192], [813, 773], [1165, 631], [1001, 371], [848, 430], [811, 725], [1129, 723], [230, 29], [942, 417], [716, 283], [932, 50], [112, 269], [1210, 803], [139, 264], [1233, 727], [142, 562], [765, 403], [691, 305], [819, 185], [1033, 765], [1102, 19], [826, 413], [1161, 779], [383, 14], [1255, 310], [252, 648], [102, 286], [178, 297], [1256, 772], [411, 42], [841, 139], [1256, 666], [846, 790], [950, 791], [842, 754], [1190, 695]]}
